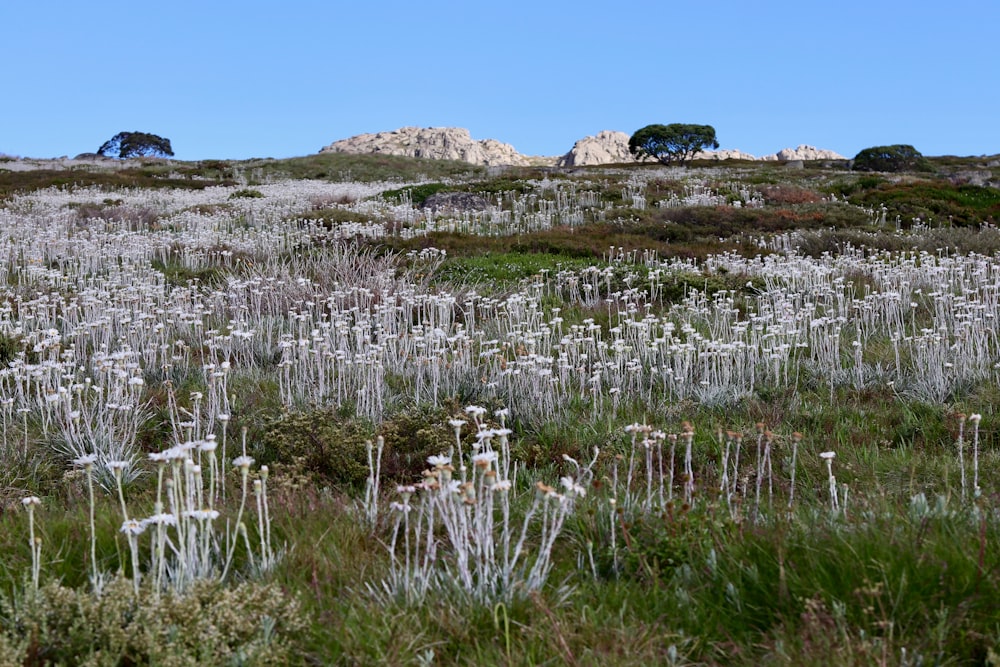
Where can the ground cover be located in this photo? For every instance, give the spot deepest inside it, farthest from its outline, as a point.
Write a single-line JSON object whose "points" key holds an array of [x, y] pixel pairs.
{"points": [[725, 414]]}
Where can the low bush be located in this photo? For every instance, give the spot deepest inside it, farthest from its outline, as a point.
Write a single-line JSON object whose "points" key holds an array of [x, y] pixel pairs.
{"points": [[247, 193], [895, 158], [249, 623]]}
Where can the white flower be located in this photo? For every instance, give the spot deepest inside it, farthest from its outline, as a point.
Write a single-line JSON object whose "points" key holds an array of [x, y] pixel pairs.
{"points": [[975, 417], [572, 487], [827, 455], [400, 507], [202, 515], [117, 466], [86, 460], [439, 460], [172, 454], [485, 434], [456, 423], [161, 519], [31, 501], [475, 410], [133, 527], [483, 459], [502, 485], [243, 462]]}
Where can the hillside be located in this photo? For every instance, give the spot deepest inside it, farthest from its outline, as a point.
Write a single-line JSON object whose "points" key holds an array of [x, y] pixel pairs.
{"points": [[383, 409]]}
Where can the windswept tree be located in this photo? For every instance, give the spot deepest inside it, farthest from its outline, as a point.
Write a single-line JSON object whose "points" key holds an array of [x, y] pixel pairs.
{"points": [[136, 144], [677, 142]]}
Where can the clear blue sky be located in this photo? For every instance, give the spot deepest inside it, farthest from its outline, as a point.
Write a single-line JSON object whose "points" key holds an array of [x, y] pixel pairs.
{"points": [[225, 79]]}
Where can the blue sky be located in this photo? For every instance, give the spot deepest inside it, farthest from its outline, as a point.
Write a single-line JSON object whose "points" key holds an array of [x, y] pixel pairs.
{"points": [[278, 79]]}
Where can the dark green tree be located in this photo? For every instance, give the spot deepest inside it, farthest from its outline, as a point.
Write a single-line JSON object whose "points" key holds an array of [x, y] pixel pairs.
{"points": [[677, 142], [898, 157], [136, 144]]}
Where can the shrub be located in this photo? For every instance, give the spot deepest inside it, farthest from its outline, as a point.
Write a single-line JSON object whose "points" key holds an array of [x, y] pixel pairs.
{"points": [[895, 158], [418, 193], [783, 193], [328, 447], [247, 193], [211, 625]]}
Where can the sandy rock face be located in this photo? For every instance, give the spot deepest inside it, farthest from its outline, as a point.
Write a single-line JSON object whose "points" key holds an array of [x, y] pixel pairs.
{"points": [[437, 143]]}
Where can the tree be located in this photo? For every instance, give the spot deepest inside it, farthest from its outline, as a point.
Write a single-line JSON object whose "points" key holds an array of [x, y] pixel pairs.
{"points": [[669, 143], [898, 157], [136, 144]]}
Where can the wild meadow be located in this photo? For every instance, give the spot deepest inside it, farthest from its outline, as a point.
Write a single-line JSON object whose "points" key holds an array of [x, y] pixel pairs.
{"points": [[372, 410]]}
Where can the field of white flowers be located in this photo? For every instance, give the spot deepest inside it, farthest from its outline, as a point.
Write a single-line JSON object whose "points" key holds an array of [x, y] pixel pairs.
{"points": [[699, 426]]}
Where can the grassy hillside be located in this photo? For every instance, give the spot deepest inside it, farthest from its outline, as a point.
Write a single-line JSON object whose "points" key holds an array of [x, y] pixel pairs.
{"points": [[378, 410]]}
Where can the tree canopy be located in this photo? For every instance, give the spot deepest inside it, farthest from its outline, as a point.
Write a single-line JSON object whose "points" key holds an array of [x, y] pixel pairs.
{"points": [[136, 144], [677, 142], [898, 157]]}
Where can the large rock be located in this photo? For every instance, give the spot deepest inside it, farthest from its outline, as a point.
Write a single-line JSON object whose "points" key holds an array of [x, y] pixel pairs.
{"points": [[725, 154], [803, 152], [606, 147], [437, 143], [610, 147]]}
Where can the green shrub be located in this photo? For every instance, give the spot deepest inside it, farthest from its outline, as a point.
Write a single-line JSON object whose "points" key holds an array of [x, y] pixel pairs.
{"points": [[329, 448], [247, 193], [418, 193], [895, 158], [10, 347], [210, 625], [934, 200], [410, 437]]}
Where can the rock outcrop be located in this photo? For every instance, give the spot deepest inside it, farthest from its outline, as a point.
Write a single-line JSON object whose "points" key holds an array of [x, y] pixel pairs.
{"points": [[803, 152], [438, 143], [607, 147], [725, 154]]}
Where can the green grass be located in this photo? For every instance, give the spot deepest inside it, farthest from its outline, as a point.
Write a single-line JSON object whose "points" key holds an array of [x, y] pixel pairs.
{"points": [[338, 167], [13, 182], [941, 202]]}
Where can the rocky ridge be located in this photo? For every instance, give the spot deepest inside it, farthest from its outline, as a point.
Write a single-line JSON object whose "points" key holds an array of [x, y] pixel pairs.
{"points": [[606, 147], [437, 143]]}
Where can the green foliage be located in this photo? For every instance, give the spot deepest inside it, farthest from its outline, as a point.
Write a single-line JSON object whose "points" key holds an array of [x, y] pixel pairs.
{"points": [[410, 437], [505, 269], [247, 193], [16, 182], [10, 347], [136, 144], [180, 275], [940, 201], [249, 623], [418, 193], [677, 142], [331, 217], [895, 158], [343, 167], [327, 446]]}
